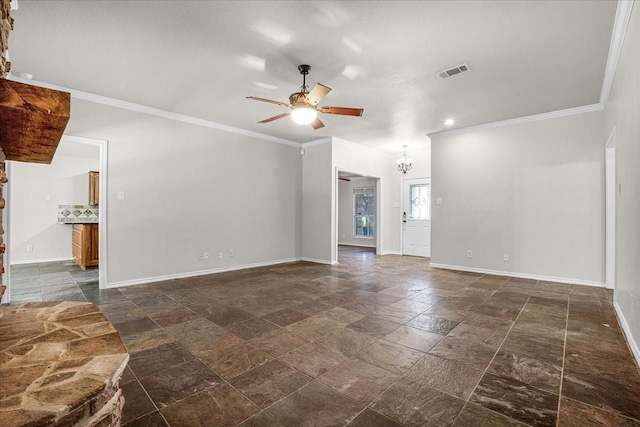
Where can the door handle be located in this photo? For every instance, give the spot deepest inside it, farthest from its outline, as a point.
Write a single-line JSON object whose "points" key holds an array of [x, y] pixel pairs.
{"points": [[404, 220]]}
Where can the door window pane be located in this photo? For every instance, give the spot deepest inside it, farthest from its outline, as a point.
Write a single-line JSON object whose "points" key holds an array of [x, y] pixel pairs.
{"points": [[420, 201]]}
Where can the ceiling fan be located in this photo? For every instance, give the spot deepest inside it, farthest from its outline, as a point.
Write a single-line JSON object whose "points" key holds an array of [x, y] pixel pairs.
{"points": [[304, 104]]}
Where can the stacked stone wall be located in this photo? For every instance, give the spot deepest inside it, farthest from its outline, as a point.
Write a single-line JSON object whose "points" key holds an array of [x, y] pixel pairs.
{"points": [[6, 25]]}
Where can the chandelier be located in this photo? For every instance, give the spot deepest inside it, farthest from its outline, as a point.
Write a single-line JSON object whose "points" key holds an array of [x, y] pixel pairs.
{"points": [[404, 164]]}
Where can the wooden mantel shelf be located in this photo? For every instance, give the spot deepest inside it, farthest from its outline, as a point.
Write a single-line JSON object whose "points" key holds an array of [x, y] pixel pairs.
{"points": [[32, 121]]}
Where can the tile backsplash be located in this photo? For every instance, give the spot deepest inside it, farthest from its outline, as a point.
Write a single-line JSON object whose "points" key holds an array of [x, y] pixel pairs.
{"points": [[70, 214]]}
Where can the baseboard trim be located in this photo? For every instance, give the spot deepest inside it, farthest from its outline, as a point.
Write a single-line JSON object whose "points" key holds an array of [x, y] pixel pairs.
{"points": [[633, 345], [356, 245], [146, 280], [391, 253], [37, 261], [519, 275], [318, 261]]}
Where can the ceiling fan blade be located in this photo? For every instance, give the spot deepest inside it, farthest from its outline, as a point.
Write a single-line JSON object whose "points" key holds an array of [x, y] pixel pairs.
{"points": [[318, 92], [270, 119], [270, 101], [344, 111], [317, 124]]}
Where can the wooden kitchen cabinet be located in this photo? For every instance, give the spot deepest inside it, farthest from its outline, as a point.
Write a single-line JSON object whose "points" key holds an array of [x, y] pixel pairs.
{"points": [[85, 244], [94, 188]]}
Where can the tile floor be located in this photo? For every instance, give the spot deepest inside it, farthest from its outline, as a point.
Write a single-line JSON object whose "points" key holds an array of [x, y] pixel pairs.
{"points": [[52, 281], [373, 341]]}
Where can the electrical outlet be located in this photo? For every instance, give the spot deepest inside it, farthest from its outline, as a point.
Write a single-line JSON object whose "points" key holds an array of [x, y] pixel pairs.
{"points": [[206, 255], [199, 257], [220, 255], [505, 257], [469, 254], [230, 252], [29, 248]]}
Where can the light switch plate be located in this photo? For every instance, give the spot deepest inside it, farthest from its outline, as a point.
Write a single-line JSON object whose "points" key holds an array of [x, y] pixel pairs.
{"points": [[120, 195]]}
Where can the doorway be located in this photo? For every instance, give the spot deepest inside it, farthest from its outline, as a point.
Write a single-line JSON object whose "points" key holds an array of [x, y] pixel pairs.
{"points": [[40, 251], [357, 213], [416, 217]]}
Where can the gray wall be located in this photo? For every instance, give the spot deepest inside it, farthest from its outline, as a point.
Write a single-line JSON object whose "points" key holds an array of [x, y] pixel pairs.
{"points": [[533, 191], [623, 113], [317, 184], [189, 190]]}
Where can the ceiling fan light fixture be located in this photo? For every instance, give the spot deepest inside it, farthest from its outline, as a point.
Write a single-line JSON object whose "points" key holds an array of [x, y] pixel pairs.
{"points": [[304, 115]]}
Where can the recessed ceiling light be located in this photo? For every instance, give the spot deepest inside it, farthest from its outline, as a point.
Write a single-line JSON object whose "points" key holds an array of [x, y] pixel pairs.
{"points": [[448, 122], [26, 76]]}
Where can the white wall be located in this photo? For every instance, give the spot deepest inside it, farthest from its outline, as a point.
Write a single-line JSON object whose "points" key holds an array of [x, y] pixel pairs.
{"points": [[533, 191], [189, 190], [34, 220], [623, 112], [346, 225]]}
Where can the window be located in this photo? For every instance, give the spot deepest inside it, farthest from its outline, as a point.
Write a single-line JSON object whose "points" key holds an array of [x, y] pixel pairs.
{"points": [[420, 198], [364, 211]]}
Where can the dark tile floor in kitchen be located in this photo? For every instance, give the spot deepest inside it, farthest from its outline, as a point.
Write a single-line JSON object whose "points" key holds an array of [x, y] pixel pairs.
{"points": [[373, 341]]}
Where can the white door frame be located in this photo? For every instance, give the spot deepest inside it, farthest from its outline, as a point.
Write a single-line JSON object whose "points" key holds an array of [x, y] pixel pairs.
{"points": [[402, 182], [610, 210], [334, 214], [102, 219]]}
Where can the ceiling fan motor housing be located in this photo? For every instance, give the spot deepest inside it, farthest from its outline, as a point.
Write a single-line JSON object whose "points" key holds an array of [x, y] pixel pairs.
{"points": [[299, 99]]}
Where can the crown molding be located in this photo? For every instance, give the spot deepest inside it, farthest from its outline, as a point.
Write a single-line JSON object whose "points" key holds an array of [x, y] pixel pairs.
{"points": [[125, 105], [520, 120], [620, 24]]}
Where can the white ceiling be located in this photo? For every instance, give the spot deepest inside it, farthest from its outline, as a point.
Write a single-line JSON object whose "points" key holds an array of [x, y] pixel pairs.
{"points": [[202, 58]]}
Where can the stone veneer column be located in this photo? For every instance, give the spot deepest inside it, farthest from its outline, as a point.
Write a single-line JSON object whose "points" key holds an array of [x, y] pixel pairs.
{"points": [[6, 25], [3, 180]]}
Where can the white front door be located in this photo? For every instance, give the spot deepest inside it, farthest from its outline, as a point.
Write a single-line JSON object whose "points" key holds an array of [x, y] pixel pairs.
{"points": [[416, 217]]}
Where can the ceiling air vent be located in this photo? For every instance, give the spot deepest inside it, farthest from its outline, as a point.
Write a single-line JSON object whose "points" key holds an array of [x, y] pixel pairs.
{"points": [[453, 71]]}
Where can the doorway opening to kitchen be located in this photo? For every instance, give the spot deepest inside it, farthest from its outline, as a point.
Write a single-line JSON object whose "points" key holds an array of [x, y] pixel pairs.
{"points": [[56, 225]]}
